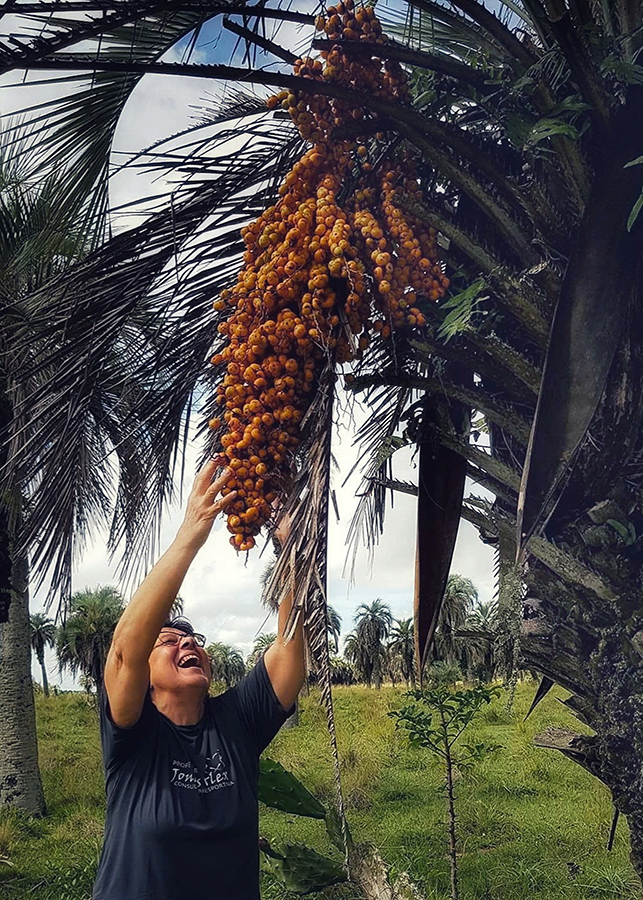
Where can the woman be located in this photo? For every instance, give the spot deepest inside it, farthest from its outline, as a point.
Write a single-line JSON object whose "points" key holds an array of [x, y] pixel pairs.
{"points": [[181, 768]]}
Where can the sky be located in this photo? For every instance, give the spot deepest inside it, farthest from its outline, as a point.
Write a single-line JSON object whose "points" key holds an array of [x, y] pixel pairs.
{"points": [[221, 590]]}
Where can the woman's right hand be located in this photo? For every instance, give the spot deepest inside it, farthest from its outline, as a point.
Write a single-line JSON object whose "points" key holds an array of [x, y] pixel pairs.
{"points": [[204, 504]]}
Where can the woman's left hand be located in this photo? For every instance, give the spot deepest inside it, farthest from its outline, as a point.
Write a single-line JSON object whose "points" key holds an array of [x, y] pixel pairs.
{"points": [[205, 503]]}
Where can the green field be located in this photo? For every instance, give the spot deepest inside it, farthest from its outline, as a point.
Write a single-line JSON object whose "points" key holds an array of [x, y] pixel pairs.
{"points": [[532, 824]]}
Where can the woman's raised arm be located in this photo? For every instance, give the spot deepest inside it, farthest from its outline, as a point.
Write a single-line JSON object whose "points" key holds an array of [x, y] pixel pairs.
{"points": [[127, 667]]}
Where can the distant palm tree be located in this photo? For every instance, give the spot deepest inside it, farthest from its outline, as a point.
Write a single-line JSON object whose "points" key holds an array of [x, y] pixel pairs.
{"points": [[341, 671], [43, 634], [391, 668], [83, 641], [372, 626], [484, 616], [402, 648], [261, 644], [227, 663], [479, 651], [353, 654], [334, 628], [460, 597]]}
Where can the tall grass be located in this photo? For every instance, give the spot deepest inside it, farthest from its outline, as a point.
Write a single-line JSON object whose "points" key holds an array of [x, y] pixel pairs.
{"points": [[531, 823]]}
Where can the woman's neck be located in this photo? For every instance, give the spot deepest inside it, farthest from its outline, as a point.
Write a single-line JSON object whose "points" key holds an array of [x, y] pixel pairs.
{"points": [[182, 710]]}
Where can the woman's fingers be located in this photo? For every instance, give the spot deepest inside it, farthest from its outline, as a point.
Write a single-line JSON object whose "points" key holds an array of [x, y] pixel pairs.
{"points": [[205, 473], [222, 502], [214, 488]]}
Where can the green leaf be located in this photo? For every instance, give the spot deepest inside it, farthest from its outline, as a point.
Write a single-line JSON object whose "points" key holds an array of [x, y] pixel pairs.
{"points": [[462, 307], [302, 870], [636, 209], [334, 830], [279, 789], [550, 127], [626, 532]]}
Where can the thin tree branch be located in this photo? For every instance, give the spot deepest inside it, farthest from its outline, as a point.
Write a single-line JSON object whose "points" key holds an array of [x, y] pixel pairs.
{"points": [[478, 362], [260, 41], [478, 35], [494, 467], [28, 54], [502, 414], [505, 38], [434, 62]]}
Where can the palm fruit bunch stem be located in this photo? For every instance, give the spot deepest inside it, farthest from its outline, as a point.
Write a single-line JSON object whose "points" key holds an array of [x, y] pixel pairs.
{"points": [[334, 261]]}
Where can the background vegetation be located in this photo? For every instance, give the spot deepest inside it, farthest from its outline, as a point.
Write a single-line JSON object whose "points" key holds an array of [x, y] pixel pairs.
{"points": [[532, 823]]}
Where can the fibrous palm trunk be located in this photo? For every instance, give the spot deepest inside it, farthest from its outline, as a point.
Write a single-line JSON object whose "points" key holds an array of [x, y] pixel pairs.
{"points": [[41, 660], [20, 783]]}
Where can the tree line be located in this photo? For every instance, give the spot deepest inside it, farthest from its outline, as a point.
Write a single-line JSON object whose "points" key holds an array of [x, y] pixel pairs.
{"points": [[379, 648]]}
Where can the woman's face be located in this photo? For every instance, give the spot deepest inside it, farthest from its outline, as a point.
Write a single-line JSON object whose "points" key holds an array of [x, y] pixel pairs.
{"points": [[178, 663]]}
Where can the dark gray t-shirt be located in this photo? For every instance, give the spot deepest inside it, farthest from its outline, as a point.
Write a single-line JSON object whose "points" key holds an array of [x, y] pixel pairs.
{"points": [[182, 811]]}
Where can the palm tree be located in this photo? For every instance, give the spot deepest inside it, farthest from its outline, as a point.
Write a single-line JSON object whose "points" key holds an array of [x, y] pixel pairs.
{"points": [[402, 647], [479, 658], [334, 628], [524, 124], [460, 596], [483, 616], [46, 224], [342, 672], [43, 634], [227, 663], [84, 640], [372, 626], [261, 644], [355, 656], [62, 434]]}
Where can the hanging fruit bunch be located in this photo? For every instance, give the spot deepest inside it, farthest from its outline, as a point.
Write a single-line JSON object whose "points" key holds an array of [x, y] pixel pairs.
{"points": [[334, 261]]}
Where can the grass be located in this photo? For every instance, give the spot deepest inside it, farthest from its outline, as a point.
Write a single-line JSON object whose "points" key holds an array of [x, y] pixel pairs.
{"points": [[531, 823]]}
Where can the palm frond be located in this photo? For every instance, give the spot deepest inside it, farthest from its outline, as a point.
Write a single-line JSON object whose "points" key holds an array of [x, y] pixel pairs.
{"points": [[124, 390], [301, 567], [379, 442]]}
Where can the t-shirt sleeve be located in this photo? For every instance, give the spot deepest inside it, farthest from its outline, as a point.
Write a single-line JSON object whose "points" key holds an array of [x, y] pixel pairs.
{"points": [[261, 713], [119, 743]]}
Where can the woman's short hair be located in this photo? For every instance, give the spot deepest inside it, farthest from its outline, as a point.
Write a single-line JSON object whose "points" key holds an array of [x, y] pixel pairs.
{"points": [[180, 623]]}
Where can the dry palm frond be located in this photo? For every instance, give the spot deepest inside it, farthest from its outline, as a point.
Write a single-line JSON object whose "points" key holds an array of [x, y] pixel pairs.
{"points": [[301, 566]]}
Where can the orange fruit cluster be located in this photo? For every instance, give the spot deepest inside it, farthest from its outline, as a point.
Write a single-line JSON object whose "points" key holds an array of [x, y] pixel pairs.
{"points": [[334, 261]]}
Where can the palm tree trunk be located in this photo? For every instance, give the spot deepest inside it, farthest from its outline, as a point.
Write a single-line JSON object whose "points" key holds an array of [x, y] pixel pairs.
{"points": [[45, 683], [20, 783]]}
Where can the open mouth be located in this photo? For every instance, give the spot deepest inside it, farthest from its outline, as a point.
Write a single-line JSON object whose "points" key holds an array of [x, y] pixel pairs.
{"points": [[191, 661]]}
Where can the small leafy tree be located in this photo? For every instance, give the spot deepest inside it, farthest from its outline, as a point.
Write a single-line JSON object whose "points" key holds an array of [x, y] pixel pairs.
{"points": [[436, 720], [442, 674]]}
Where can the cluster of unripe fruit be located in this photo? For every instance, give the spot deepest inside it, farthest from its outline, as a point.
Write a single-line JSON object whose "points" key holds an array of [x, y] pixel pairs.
{"points": [[335, 260]]}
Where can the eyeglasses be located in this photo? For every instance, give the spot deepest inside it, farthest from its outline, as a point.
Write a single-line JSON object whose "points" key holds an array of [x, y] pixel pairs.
{"points": [[171, 638]]}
